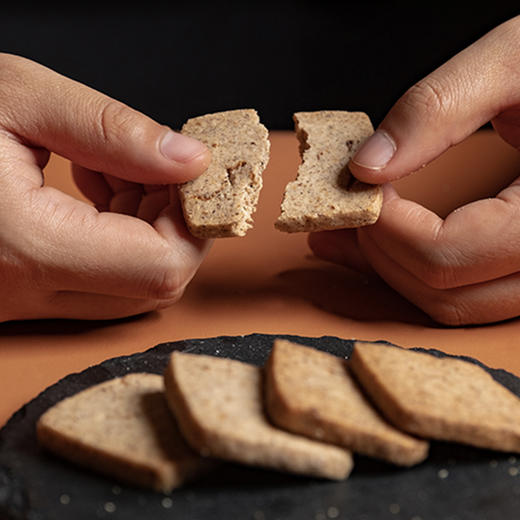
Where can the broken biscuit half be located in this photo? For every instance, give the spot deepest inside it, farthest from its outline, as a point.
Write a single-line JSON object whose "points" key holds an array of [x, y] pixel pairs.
{"points": [[220, 202], [324, 195]]}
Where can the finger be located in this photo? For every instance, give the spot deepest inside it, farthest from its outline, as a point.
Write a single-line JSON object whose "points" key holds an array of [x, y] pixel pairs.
{"points": [[93, 185], [92, 129], [188, 250], [340, 247], [126, 202], [475, 243], [75, 248], [117, 185], [149, 188], [88, 306], [108, 192], [152, 204], [486, 302], [61, 243], [444, 108], [507, 124], [143, 201]]}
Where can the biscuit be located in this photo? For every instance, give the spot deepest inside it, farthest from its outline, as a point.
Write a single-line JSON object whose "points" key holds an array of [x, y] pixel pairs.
{"points": [[124, 429], [324, 196], [312, 393], [220, 202], [218, 404], [439, 398]]}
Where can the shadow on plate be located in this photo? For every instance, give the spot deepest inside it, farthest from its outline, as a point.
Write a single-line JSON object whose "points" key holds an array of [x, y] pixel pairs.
{"points": [[443, 456]]}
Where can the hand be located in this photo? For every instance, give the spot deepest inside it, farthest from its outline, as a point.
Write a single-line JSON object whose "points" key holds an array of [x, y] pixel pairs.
{"points": [[466, 268], [61, 257]]}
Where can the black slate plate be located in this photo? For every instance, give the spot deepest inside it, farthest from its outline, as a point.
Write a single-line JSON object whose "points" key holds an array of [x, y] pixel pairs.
{"points": [[455, 483]]}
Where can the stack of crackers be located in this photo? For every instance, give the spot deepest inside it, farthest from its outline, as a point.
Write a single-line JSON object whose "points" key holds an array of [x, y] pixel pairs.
{"points": [[305, 412]]}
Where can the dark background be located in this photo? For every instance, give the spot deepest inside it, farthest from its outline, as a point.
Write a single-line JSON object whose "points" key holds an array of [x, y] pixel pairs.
{"points": [[179, 59]]}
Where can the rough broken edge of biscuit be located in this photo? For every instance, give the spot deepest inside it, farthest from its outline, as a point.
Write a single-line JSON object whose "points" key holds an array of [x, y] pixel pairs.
{"points": [[248, 196], [363, 215]]}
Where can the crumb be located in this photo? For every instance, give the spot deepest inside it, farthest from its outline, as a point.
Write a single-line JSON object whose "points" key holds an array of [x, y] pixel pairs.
{"points": [[443, 473], [167, 502]]}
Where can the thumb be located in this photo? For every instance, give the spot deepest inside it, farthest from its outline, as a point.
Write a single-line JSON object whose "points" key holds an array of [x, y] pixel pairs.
{"points": [[92, 129], [445, 107]]}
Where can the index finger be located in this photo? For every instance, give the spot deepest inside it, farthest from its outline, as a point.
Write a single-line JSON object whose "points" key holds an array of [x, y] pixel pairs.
{"points": [[475, 243], [445, 107], [76, 248]]}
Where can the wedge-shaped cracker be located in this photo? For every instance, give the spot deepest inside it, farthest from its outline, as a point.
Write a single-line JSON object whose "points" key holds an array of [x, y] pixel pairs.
{"points": [[218, 404], [124, 429], [220, 202], [439, 398], [324, 196], [311, 392]]}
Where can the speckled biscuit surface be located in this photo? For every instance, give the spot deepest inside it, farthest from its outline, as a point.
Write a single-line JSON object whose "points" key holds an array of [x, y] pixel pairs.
{"points": [[445, 485], [218, 404], [220, 202], [312, 393], [122, 428], [323, 196], [439, 398]]}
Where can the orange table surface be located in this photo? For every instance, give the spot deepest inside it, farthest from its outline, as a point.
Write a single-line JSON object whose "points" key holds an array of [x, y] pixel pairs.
{"points": [[269, 282]]}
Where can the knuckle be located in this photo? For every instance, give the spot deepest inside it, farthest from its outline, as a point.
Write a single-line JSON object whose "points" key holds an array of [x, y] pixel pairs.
{"points": [[12, 90], [151, 304], [168, 284], [117, 121], [163, 304], [441, 262], [430, 96], [511, 196], [439, 272], [448, 310]]}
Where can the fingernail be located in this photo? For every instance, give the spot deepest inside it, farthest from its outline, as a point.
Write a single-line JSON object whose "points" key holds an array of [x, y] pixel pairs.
{"points": [[375, 153], [180, 148]]}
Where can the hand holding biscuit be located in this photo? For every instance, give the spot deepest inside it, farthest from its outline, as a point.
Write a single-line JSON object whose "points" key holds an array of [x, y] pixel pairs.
{"points": [[61, 257], [465, 268]]}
